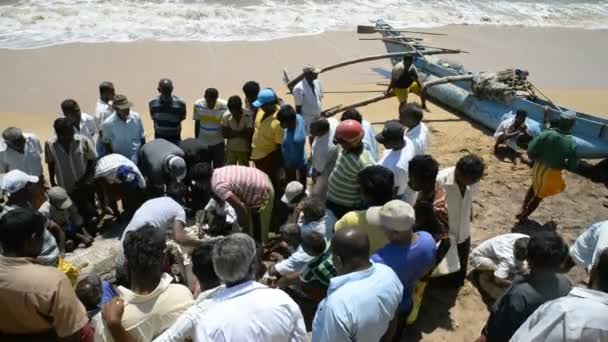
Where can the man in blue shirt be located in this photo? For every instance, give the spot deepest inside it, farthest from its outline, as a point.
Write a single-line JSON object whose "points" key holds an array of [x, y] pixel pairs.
{"points": [[410, 255], [362, 299], [293, 146]]}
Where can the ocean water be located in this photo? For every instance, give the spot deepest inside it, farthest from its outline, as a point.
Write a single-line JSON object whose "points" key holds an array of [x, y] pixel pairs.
{"points": [[37, 23]]}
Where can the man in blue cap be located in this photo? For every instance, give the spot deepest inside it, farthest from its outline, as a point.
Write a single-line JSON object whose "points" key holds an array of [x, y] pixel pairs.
{"points": [[553, 151]]}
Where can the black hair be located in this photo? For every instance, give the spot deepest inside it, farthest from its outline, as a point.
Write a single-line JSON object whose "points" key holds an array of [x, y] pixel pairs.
{"points": [[177, 191], [424, 167], [320, 125], [20, 225], [251, 88], [212, 92], [413, 109], [286, 113], [351, 244], [201, 171], [202, 263], [235, 102], [63, 126], [351, 114], [601, 275], [471, 165], [313, 209], [144, 250], [521, 112], [520, 248], [314, 242], [68, 105], [377, 182], [89, 291], [546, 249], [105, 86]]}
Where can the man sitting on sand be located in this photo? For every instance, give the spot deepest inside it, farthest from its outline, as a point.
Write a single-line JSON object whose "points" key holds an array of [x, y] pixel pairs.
{"points": [[167, 112], [513, 132], [498, 260], [553, 151], [404, 79], [411, 116]]}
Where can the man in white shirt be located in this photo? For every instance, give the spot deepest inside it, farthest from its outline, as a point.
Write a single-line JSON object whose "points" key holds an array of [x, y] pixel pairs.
{"points": [[324, 153], [118, 178], [460, 184], [582, 315], [243, 310], [308, 96], [84, 124], [398, 151], [103, 110], [589, 245], [123, 131], [411, 116], [207, 116], [369, 138], [151, 302], [19, 151]]}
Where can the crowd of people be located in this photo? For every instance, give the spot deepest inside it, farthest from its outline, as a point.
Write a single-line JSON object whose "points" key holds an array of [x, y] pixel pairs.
{"points": [[301, 224]]}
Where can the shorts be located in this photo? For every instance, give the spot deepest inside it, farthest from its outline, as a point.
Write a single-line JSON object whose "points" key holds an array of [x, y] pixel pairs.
{"points": [[237, 157], [547, 181]]}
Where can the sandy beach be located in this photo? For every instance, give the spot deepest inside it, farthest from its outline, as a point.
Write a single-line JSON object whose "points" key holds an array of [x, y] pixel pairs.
{"points": [[567, 64]]}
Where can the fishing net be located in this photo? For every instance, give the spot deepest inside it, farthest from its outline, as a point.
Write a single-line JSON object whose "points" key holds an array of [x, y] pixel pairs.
{"points": [[503, 85]]}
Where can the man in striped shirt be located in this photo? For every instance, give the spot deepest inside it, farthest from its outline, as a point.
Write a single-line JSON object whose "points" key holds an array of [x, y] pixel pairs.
{"points": [[207, 116], [167, 112], [247, 189], [343, 192], [71, 162]]}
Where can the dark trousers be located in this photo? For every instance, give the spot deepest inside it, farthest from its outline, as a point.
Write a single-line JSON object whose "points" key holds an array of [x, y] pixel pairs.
{"points": [[83, 197], [456, 279], [172, 139], [215, 154]]}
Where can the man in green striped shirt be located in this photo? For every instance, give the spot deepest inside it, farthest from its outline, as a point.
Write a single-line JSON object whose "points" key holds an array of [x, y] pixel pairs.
{"points": [[318, 271], [343, 192]]}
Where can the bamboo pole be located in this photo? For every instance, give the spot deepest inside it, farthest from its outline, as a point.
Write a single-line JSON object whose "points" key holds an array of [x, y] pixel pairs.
{"points": [[335, 110], [394, 37], [365, 29]]}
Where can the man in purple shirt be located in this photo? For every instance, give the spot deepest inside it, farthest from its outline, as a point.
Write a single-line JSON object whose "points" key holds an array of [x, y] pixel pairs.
{"points": [[411, 255]]}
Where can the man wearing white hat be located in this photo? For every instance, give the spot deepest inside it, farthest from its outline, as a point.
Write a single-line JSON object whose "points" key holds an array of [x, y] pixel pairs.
{"points": [[162, 163], [308, 96], [411, 255]]}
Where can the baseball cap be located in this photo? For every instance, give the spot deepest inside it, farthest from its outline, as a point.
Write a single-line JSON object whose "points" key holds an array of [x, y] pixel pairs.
{"points": [[395, 215], [265, 96], [393, 131], [59, 198], [292, 190], [177, 167], [16, 180], [310, 68]]}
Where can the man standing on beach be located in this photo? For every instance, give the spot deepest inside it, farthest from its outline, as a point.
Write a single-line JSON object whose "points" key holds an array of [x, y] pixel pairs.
{"points": [[308, 96], [103, 110], [553, 151], [207, 116], [398, 151], [84, 124], [167, 112], [411, 116], [123, 132], [404, 79]]}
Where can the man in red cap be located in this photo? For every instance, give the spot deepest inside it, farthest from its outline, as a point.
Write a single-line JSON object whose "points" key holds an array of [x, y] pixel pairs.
{"points": [[343, 192]]}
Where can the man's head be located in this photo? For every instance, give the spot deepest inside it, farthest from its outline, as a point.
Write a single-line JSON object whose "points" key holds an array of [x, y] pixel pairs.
{"points": [[202, 265], [376, 183], [235, 106], [294, 193], [313, 243], [319, 127], [422, 173], [71, 110], [177, 191], [396, 219], [201, 174], [89, 291], [600, 273], [234, 258], [59, 198], [176, 166], [21, 233], [211, 96], [313, 209], [311, 73], [351, 114], [126, 175], [410, 115], [350, 250], [546, 251], [469, 170], [19, 186], [267, 101], [391, 136], [520, 249], [64, 129], [122, 106], [567, 120], [14, 138], [520, 117], [106, 91], [349, 135], [144, 251], [290, 232], [165, 88], [287, 117], [408, 60], [251, 90]]}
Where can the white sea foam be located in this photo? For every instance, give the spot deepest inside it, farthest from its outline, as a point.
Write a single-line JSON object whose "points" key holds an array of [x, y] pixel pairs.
{"points": [[36, 23]]}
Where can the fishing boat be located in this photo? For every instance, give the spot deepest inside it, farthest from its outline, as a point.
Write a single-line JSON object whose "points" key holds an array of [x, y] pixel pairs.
{"points": [[590, 131]]}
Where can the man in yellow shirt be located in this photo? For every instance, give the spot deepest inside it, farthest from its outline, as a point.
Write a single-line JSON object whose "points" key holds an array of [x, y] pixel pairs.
{"points": [[404, 79], [268, 136], [376, 183]]}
